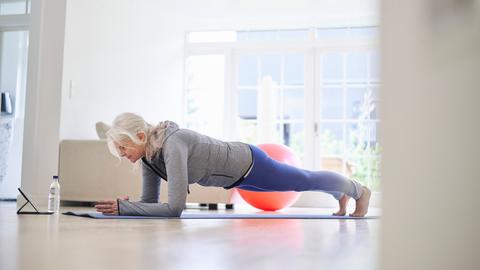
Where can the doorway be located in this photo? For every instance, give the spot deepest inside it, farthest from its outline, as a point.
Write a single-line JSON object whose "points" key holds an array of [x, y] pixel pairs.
{"points": [[13, 71]]}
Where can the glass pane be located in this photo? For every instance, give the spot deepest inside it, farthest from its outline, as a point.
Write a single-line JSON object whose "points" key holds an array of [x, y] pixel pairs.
{"points": [[361, 168], [375, 102], [375, 92], [205, 70], [13, 7], [293, 104], [375, 173], [357, 103], [247, 103], [335, 163], [356, 139], [373, 137], [356, 67], [271, 65], [205, 86], [293, 34], [199, 126], [212, 36], [323, 33], [294, 69], [247, 131], [361, 103], [262, 35], [374, 67], [331, 33], [332, 67], [13, 68], [331, 139], [366, 170], [242, 35], [294, 137], [247, 70], [363, 32], [282, 134], [332, 103], [362, 139]]}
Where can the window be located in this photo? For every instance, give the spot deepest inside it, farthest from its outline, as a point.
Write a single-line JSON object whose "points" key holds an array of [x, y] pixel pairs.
{"points": [[14, 7], [315, 90], [349, 113], [204, 87]]}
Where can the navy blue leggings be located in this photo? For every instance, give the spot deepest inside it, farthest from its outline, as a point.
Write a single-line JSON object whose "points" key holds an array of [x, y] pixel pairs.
{"points": [[270, 175]]}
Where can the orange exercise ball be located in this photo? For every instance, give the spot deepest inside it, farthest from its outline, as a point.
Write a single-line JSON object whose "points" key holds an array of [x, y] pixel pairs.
{"points": [[272, 201]]}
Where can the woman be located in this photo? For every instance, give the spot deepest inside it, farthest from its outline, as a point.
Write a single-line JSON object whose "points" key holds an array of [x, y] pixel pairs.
{"points": [[184, 157]]}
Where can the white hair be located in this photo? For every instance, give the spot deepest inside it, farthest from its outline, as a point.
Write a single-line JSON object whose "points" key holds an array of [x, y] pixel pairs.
{"points": [[125, 128]]}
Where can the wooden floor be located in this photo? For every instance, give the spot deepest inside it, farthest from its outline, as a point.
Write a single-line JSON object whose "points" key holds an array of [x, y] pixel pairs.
{"points": [[66, 242]]}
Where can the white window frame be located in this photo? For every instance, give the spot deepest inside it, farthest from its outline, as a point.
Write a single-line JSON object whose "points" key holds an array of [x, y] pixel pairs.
{"points": [[312, 49]]}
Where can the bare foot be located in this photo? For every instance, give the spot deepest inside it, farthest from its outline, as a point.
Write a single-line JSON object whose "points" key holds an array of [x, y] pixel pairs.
{"points": [[361, 205], [343, 206]]}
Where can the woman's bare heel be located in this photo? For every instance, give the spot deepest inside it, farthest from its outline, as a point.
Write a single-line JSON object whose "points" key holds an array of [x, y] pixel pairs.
{"points": [[361, 204], [343, 202]]}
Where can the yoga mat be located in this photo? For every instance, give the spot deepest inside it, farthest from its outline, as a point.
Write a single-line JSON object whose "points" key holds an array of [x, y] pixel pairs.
{"points": [[218, 216]]}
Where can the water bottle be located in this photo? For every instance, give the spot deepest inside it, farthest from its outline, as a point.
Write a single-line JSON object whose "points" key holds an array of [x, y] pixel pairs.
{"points": [[54, 196]]}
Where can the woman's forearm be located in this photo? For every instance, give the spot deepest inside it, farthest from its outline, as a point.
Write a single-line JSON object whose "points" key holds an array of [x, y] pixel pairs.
{"points": [[127, 208]]}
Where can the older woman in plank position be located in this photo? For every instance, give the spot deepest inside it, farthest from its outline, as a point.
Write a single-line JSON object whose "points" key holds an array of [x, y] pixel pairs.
{"points": [[184, 157]]}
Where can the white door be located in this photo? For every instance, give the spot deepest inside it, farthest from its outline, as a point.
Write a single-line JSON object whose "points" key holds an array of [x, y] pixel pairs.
{"points": [[347, 114], [13, 71], [14, 25], [269, 92]]}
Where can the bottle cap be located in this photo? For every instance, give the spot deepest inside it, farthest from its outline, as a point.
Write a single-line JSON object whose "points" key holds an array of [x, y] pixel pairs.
{"points": [[55, 177]]}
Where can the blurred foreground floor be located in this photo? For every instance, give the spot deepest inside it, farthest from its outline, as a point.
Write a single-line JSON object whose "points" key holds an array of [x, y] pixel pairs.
{"points": [[67, 242]]}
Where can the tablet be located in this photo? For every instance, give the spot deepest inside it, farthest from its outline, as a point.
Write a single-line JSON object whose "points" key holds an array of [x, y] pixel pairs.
{"points": [[36, 212]]}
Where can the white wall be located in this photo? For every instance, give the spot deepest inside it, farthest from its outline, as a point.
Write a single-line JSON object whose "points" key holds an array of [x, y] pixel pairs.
{"points": [[123, 55], [430, 134], [42, 103]]}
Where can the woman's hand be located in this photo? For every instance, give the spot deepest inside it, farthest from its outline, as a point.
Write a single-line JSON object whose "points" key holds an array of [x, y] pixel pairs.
{"points": [[109, 207]]}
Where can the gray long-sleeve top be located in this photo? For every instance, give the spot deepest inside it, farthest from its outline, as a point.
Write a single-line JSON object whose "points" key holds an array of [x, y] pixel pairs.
{"points": [[187, 157]]}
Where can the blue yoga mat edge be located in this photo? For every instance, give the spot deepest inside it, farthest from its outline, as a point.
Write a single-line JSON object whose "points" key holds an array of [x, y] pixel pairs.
{"points": [[96, 215]]}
